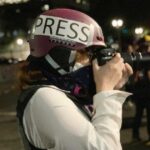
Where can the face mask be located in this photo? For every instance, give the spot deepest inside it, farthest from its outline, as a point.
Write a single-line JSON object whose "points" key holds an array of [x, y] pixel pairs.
{"points": [[85, 86], [80, 82]]}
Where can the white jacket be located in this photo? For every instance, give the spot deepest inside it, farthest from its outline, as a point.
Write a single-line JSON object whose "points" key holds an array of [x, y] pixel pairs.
{"points": [[52, 121]]}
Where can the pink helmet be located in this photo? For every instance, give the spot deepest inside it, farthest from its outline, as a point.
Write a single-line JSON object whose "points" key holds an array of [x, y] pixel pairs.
{"points": [[66, 28]]}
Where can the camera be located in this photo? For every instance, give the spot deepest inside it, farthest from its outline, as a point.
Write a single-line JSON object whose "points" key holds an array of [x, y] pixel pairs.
{"points": [[137, 60]]}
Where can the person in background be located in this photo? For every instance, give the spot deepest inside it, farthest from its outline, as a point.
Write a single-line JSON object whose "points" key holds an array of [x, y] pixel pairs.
{"points": [[141, 95], [68, 101]]}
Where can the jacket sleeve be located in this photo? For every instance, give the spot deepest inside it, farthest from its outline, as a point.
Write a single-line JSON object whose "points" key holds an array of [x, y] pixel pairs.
{"points": [[56, 122]]}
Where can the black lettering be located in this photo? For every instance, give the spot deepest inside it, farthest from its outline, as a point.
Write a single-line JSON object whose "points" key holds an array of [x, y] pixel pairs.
{"points": [[48, 23], [75, 32], [84, 33], [39, 22], [60, 27]]}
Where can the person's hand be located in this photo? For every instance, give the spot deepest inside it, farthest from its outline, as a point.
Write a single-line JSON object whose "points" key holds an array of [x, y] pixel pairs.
{"points": [[126, 72], [113, 75]]}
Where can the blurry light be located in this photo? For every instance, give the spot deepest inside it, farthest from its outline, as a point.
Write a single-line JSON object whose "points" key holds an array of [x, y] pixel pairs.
{"points": [[19, 59], [115, 46], [78, 1], [120, 22], [147, 38], [19, 41], [45, 7], [1, 34], [114, 23], [10, 61], [84, 2], [117, 23], [2, 2], [15, 33], [17, 10], [29, 31], [139, 30]]}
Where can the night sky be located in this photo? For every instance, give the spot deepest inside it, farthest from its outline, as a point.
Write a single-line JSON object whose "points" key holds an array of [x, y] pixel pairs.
{"points": [[134, 12]]}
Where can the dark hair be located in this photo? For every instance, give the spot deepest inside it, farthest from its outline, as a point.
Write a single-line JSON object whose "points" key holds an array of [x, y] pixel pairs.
{"points": [[28, 76]]}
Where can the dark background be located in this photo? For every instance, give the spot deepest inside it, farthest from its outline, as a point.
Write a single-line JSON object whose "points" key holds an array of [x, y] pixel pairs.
{"points": [[21, 16], [135, 12]]}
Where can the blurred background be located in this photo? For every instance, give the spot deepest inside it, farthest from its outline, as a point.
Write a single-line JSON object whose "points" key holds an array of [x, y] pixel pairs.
{"points": [[126, 27]]}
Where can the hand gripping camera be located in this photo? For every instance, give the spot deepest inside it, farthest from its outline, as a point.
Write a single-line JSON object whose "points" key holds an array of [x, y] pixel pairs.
{"points": [[137, 60]]}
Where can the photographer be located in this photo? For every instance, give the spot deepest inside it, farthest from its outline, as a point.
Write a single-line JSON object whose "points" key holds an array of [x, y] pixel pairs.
{"points": [[68, 101]]}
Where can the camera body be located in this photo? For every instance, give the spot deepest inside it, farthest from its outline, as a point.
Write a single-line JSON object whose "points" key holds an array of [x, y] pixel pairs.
{"points": [[137, 60]]}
